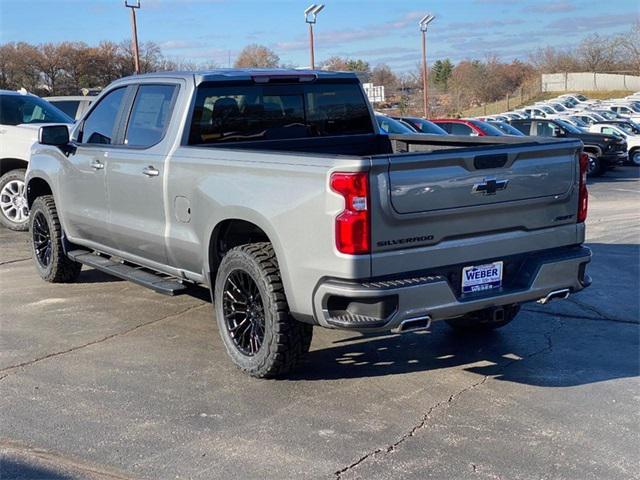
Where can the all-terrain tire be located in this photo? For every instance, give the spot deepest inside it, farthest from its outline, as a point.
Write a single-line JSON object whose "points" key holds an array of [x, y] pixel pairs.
{"points": [[285, 340], [482, 321], [19, 220], [58, 268]]}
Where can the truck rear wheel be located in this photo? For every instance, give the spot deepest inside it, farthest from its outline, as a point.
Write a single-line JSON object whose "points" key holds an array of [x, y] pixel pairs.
{"points": [[46, 243], [252, 313], [14, 213], [483, 320]]}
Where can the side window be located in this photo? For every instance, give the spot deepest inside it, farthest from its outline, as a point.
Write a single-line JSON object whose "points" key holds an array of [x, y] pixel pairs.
{"points": [[150, 115], [524, 127], [70, 107], [100, 125], [445, 126], [544, 129], [460, 129]]}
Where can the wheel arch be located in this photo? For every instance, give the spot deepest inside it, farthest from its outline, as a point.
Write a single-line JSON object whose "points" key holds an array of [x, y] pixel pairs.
{"points": [[37, 187], [8, 164], [241, 229], [593, 149]]}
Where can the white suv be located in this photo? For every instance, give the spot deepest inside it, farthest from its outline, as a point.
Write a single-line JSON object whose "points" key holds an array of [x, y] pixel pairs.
{"points": [[21, 116], [624, 130]]}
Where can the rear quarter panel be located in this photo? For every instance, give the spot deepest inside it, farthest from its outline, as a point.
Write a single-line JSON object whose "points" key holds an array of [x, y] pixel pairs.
{"points": [[286, 195]]}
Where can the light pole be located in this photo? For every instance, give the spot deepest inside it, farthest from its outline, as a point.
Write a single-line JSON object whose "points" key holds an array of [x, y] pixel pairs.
{"points": [[310, 15], [426, 20], [133, 5]]}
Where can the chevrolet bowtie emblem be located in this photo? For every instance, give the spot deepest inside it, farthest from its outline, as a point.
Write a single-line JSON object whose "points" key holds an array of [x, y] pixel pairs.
{"points": [[490, 186]]}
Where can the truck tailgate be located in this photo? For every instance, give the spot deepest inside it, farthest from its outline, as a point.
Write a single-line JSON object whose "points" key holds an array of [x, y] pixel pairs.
{"points": [[427, 199]]}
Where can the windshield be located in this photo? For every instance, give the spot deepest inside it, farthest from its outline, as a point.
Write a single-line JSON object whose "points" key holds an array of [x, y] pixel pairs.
{"points": [[628, 128], [570, 128], [508, 129], [547, 109], [26, 109], [487, 128], [634, 107], [252, 112], [559, 107], [608, 115], [579, 122], [390, 125], [425, 126], [582, 98]]}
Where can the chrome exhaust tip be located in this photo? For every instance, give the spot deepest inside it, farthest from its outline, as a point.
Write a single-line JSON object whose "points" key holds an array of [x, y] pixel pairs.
{"points": [[555, 295], [413, 324]]}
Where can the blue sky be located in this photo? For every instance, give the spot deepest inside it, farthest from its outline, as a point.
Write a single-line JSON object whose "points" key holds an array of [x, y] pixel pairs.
{"points": [[375, 30]]}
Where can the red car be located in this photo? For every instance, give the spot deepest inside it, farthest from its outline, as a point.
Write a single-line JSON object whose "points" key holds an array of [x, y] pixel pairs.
{"points": [[461, 126]]}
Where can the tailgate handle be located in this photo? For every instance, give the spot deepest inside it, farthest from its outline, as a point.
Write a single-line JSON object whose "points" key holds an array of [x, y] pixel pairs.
{"points": [[482, 162]]}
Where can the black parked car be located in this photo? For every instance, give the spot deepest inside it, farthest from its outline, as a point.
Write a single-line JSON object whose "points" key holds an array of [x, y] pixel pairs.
{"points": [[604, 151]]}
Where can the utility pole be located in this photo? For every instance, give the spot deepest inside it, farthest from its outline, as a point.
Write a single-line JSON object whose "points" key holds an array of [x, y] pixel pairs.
{"points": [[310, 16], [426, 20], [133, 5]]}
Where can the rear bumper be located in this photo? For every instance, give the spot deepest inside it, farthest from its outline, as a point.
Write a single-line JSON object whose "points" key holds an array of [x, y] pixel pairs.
{"points": [[384, 303]]}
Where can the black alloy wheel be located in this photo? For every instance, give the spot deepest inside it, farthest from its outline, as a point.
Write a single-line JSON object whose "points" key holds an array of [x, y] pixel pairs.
{"points": [[244, 312], [41, 240]]}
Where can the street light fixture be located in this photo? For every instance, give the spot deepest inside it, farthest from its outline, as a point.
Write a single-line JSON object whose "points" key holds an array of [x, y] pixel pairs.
{"points": [[424, 23], [133, 5], [310, 16]]}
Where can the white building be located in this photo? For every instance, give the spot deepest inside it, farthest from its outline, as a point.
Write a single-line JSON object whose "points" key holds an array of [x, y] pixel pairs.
{"points": [[374, 92]]}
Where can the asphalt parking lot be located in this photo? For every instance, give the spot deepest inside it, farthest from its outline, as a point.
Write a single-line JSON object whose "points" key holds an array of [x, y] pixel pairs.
{"points": [[106, 380]]}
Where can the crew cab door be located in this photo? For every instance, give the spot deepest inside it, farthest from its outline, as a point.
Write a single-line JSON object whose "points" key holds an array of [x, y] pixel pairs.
{"points": [[136, 174], [82, 191]]}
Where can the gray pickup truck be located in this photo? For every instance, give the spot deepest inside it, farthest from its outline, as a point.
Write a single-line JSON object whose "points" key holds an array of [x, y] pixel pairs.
{"points": [[277, 191]]}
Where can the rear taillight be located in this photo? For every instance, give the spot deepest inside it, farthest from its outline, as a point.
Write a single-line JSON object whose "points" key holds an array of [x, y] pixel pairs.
{"points": [[352, 224], [583, 196]]}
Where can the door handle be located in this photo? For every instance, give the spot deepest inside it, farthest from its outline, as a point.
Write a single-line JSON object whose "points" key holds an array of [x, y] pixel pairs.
{"points": [[150, 171], [97, 165]]}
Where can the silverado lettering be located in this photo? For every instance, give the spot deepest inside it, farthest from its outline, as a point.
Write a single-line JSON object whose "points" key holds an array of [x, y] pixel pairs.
{"points": [[400, 241]]}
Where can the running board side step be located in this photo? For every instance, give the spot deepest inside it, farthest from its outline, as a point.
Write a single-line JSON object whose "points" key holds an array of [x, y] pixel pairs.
{"points": [[161, 284]]}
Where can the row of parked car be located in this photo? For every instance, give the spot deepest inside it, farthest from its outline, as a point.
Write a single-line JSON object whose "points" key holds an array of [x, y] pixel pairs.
{"points": [[609, 129]]}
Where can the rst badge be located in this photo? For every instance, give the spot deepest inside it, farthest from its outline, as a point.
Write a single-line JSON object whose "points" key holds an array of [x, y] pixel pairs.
{"points": [[478, 278]]}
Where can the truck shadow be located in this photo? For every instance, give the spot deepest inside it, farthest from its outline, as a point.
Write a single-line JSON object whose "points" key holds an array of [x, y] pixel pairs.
{"points": [[575, 352]]}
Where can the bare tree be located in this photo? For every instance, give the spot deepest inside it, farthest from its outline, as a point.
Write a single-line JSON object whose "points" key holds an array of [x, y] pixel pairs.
{"points": [[596, 53], [255, 55], [383, 75], [630, 46]]}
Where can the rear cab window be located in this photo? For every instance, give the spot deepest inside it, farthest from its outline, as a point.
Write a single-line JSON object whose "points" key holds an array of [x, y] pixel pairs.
{"points": [[244, 111]]}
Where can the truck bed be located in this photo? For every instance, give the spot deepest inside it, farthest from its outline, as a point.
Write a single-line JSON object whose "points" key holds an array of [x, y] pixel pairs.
{"points": [[373, 145]]}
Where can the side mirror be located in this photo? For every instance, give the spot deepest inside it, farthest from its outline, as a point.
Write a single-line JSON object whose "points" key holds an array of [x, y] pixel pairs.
{"points": [[56, 135]]}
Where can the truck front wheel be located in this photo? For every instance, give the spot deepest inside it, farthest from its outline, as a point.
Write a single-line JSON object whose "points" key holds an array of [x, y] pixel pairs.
{"points": [[46, 243], [484, 320], [252, 313]]}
